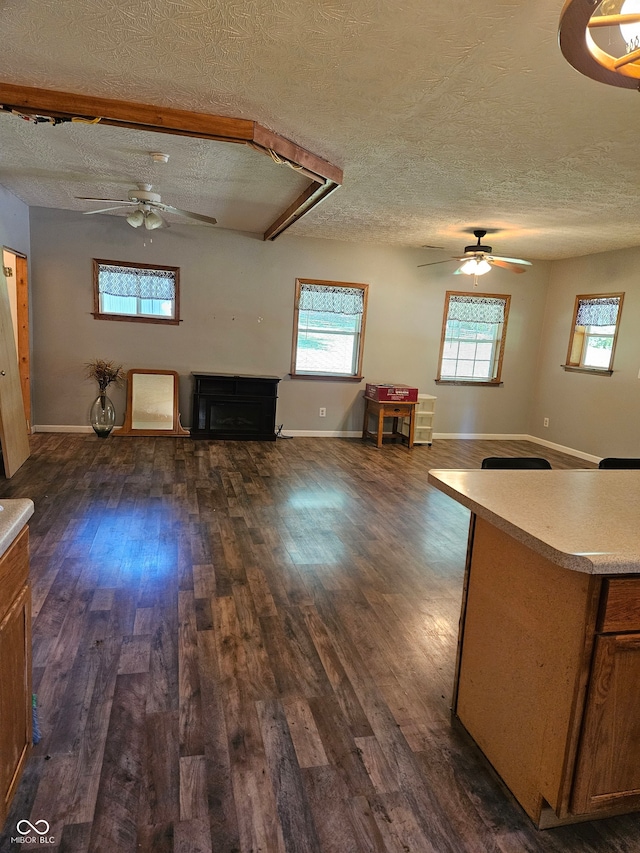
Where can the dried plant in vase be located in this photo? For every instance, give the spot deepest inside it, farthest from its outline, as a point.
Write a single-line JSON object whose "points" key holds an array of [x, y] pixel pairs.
{"points": [[105, 372], [103, 413]]}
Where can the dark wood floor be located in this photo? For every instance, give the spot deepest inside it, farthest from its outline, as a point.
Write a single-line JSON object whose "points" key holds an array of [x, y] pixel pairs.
{"points": [[245, 646]]}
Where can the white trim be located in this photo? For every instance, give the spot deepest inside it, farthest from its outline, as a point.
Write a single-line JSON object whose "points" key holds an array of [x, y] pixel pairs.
{"points": [[62, 428], [314, 433], [570, 451], [311, 433], [483, 436], [561, 448]]}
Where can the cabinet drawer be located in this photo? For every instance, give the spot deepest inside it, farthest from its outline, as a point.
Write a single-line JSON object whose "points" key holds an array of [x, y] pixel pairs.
{"points": [[621, 605], [14, 571], [396, 410]]}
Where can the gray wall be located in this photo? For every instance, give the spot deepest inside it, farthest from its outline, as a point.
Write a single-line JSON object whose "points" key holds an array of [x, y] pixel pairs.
{"points": [[599, 415], [14, 223], [237, 309]]}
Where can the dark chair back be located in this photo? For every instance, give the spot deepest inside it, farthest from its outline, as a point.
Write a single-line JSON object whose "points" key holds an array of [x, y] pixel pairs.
{"points": [[612, 462], [515, 462]]}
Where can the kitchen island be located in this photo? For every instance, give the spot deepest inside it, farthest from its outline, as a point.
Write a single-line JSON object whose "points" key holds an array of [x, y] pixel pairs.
{"points": [[548, 671], [15, 647]]}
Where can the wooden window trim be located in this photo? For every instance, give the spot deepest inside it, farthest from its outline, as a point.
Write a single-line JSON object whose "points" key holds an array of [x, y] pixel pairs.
{"points": [[494, 384], [334, 377], [497, 380], [129, 318], [572, 366]]}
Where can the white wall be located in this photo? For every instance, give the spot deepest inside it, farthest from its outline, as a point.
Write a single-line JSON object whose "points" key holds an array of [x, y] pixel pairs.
{"points": [[237, 310], [599, 415]]}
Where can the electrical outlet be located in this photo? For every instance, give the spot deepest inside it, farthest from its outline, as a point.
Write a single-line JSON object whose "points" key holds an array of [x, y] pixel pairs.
{"points": [[323, 412], [545, 422]]}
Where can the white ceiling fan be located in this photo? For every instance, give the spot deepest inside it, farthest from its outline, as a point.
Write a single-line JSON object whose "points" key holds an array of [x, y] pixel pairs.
{"points": [[478, 260], [147, 208]]}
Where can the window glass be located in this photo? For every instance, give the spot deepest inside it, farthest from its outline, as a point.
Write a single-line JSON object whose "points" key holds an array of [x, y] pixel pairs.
{"points": [[594, 330], [473, 337], [329, 326], [127, 291]]}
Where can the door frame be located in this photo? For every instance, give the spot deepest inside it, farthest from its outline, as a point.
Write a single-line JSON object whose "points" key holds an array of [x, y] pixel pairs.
{"points": [[22, 330]]}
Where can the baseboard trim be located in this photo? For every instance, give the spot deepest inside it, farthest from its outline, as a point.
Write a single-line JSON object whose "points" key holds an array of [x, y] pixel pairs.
{"points": [[61, 428], [561, 448], [483, 436], [314, 433]]}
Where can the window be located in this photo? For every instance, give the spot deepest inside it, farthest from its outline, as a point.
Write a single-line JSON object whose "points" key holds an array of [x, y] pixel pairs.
{"points": [[473, 335], [138, 292], [328, 329], [593, 332]]}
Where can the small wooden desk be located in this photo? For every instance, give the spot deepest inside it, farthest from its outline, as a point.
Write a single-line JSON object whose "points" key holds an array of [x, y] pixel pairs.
{"points": [[388, 410]]}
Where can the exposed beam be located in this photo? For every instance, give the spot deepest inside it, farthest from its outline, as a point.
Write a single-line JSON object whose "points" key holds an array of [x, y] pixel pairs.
{"points": [[325, 176], [314, 194]]}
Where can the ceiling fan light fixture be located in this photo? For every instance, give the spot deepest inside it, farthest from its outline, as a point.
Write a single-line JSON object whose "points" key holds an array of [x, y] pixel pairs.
{"points": [[589, 40], [630, 32], [136, 218], [152, 220], [473, 266]]}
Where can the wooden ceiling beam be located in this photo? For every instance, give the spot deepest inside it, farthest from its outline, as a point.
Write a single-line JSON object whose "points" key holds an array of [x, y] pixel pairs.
{"points": [[325, 176], [313, 195]]}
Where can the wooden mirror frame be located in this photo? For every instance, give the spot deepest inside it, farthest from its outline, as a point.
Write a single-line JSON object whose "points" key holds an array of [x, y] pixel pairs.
{"points": [[128, 429]]}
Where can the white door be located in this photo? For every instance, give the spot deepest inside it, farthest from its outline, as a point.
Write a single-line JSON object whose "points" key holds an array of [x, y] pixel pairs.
{"points": [[14, 438]]}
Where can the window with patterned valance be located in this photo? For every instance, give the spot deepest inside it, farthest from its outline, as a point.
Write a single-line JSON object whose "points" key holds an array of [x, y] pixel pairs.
{"points": [[473, 336], [329, 324], [139, 292], [594, 331]]}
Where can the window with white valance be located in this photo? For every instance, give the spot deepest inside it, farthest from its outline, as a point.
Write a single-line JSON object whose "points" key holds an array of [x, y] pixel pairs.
{"points": [[473, 335], [328, 330], [139, 292], [594, 331]]}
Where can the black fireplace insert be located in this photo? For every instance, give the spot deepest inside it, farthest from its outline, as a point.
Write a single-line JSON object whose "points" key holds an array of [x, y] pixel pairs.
{"points": [[240, 408]]}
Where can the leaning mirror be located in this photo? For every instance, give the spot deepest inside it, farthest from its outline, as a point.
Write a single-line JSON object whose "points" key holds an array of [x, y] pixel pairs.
{"points": [[152, 404]]}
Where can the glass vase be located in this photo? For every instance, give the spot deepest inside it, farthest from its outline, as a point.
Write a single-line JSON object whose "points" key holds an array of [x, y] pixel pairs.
{"points": [[102, 415]]}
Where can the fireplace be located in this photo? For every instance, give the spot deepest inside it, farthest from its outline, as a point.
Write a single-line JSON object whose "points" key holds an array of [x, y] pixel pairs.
{"points": [[240, 408]]}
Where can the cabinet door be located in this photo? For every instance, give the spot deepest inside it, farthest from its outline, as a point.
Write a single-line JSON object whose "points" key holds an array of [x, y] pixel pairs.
{"points": [[15, 696], [608, 765]]}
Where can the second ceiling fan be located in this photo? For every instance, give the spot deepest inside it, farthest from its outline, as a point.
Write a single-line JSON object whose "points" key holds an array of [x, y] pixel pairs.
{"points": [[478, 259]]}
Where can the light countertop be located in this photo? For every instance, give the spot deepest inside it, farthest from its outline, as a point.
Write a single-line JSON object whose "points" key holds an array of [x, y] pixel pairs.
{"points": [[584, 520], [14, 514]]}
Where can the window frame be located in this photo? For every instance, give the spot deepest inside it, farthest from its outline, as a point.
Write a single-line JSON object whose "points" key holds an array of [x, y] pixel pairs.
{"points": [[497, 380], [98, 314], [573, 366], [340, 377]]}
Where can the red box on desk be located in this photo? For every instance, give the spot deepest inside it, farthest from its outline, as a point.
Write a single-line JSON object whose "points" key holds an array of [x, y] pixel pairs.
{"points": [[391, 393]]}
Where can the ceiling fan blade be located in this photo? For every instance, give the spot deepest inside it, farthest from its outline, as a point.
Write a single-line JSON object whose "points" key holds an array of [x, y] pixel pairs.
{"points": [[186, 213], [112, 200], [107, 209], [433, 263], [499, 262], [509, 260]]}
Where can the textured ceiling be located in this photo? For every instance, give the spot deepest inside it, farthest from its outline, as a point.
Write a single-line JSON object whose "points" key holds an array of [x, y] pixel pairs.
{"points": [[444, 116]]}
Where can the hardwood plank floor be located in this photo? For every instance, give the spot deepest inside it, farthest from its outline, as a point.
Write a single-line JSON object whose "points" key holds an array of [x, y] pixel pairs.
{"points": [[246, 647]]}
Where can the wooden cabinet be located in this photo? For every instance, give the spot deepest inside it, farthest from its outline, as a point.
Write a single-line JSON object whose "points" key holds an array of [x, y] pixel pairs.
{"points": [[15, 668], [608, 766], [548, 679], [608, 762]]}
